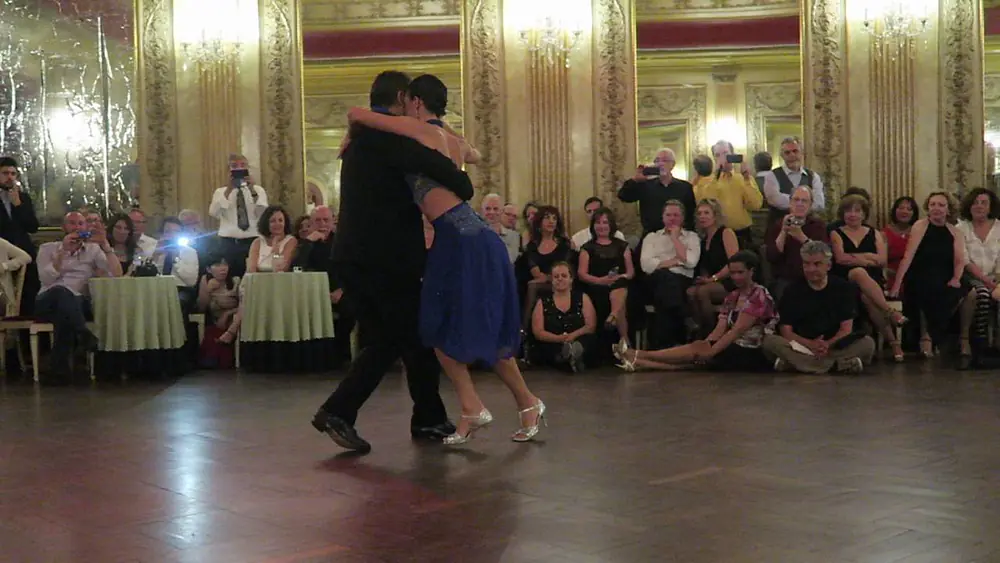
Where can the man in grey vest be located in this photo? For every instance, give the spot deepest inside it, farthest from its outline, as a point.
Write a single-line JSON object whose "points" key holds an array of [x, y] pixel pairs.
{"points": [[782, 181]]}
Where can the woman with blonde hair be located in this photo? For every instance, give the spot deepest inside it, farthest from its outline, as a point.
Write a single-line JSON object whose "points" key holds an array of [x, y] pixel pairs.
{"points": [[711, 282]]}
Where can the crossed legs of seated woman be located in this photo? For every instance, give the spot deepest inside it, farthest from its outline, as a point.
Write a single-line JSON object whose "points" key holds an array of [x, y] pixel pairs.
{"points": [[884, 317]]}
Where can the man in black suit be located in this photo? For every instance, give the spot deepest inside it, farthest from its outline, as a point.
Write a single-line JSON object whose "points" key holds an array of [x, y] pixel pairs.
{"points": [[17, 223], [379, 254]]}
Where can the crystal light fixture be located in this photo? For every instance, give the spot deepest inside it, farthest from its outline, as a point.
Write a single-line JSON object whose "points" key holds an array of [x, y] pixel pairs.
{"points": [[896, 21], [551, 42], [213, 32]]}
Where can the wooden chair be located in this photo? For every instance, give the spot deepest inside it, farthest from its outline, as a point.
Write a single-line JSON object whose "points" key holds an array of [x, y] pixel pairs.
{"points": [[37, 328], [198, 319], [12, 321]]}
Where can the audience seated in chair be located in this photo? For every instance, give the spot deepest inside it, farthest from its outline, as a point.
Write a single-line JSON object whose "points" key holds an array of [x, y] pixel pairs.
{"points": [[492, 211], [860, 256], [123, 240], [980, 231], [711, 282], [146, 243], [563, 325], [747, 315], [12, 259], [606, 269], [584, 235], [669, 257], [786, 237], [174, 259], [816, 328], [547, 246], [65, 268]]}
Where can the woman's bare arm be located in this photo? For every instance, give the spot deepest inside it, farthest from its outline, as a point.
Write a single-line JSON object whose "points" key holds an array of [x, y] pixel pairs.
{"points": [[400, 125]]}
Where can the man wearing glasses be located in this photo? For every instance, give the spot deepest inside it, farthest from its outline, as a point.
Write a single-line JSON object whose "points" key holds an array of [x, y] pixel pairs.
{"points": [[782, 181]]}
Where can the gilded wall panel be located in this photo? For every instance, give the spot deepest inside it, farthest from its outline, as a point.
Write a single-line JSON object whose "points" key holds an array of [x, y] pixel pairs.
{"points": [[157, 115], [283, 162], [326, 14], [961, 119], [770, 102], [615, 122], [685, 105], [824, 65], [485, 94], [702, 9]]}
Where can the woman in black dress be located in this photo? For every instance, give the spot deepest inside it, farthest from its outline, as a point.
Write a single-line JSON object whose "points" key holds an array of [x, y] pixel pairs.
{"points": [[606, 268], [860, 255], [711, 282], [932, 269], [563, 324], [547, 246]]}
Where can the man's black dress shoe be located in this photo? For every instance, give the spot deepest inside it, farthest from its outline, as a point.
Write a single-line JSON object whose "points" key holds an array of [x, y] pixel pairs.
{"points": [[342, 433], [436, 432]]}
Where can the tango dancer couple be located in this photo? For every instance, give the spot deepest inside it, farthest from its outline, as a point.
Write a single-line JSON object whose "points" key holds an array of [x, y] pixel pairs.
{"points": [[442, 308]]}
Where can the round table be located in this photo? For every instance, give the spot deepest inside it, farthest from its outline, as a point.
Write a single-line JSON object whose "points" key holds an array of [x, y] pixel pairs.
{"points": [[139, 325], [287, 322]]}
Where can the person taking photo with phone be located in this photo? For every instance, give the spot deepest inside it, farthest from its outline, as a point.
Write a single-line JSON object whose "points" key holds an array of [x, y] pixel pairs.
{"points": [[733, 186], [238, 206], [653, 186]]}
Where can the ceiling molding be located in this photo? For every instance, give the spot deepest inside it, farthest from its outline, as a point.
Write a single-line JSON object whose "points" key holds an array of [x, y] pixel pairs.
{"points": [[708, 59], [680, 10], [353, 75]]}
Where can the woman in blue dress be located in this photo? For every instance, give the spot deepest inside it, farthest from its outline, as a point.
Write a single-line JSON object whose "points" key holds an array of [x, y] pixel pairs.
{"points": [[469, 309]]}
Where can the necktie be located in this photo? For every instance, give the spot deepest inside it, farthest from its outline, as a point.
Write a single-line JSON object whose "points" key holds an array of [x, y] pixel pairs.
{"points": [[168, 262], [242, 220]]}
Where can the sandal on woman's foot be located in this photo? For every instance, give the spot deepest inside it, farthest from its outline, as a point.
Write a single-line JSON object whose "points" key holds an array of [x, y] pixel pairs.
{"points": [[896, 318], [927, 348], [897, 352]]}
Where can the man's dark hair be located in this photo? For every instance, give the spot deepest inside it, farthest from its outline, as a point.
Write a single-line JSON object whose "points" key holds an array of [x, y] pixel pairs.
{"points": [[745, 257], [702, 165], [592, 199], [170, 220], [762, 161], [387, 87], [6, 161], [431, 91]]}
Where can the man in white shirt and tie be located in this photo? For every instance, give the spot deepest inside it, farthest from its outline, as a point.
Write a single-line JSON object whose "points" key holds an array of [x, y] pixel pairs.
{"points": [[145, 243], [782, 181], [238, 207]]}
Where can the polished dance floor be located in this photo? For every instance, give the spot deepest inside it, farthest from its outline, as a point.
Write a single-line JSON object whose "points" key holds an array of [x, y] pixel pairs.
{"points": [[899, 466]]}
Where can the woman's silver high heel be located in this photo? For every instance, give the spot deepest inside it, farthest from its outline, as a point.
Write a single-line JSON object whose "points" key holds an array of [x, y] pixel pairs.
{"points": [[525, 434], [620, 348], [476, 422]]}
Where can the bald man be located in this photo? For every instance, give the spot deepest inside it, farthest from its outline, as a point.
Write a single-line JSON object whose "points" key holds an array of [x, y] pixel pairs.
{"points": [[492, 210], [65, 268], [651, 192]]}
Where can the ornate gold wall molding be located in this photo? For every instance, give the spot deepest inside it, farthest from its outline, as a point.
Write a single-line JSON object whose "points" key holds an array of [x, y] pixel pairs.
{"points": [[333, 14], [614, 107], [961, 114], [764, 100], [687, 104], [709, 9], [282, 147], [218, 97], [156, 108], [892, 124], [824, 65], [485, 93]]}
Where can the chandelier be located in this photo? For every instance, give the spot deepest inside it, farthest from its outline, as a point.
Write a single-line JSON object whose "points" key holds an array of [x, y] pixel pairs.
{"points": [[215, 31], [551, 42], [896, 21]]}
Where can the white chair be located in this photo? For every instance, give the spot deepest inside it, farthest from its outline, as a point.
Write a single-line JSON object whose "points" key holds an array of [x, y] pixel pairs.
{"points": [[12, 321], [37, 328], [198, 319]]}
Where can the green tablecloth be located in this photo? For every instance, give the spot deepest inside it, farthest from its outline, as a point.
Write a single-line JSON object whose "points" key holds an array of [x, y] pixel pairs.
{"points": [[286, 307], [134, 314]]}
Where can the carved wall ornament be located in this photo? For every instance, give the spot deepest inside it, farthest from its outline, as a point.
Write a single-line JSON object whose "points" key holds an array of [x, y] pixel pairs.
{"points": [[825, 117], [679, 9], [615, 124], [670, 103], [778, 99], [961, 124], [158, 111], [327, 13], [486, 95], [281, 121]]}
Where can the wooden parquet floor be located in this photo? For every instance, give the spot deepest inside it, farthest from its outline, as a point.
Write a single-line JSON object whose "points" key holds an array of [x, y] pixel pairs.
{"points": [[901, 465]]}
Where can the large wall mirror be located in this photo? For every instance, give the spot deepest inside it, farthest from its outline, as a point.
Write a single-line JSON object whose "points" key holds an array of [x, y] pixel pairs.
{"points": [[67, 112]]}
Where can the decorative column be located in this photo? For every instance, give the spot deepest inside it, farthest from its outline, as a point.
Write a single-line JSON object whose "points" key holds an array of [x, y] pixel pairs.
{"points": [[216, 78], [549, 93], [909, 120]]}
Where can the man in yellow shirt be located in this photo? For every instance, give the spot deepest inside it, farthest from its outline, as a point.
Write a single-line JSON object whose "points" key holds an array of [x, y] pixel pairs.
{"points": [[737, 193]]}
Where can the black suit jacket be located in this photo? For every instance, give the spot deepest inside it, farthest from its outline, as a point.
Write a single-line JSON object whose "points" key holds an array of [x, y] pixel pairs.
{"points": [[18, 226], [380, 226], [317, 256]]}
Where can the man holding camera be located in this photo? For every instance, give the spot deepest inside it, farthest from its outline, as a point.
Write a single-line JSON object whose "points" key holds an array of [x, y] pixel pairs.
{"points": [[65, 268], [238, 207], [17, 223], [736, 192], [785, 238], [652, 187]]}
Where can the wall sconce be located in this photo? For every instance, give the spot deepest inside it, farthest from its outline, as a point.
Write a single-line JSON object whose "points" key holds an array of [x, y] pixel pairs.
{"points": [[895, 21], [214, 31], [551, 29]]}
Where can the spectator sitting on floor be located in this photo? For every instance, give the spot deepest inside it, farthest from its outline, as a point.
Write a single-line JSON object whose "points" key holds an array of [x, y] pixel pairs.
{"points": [[563, 324], [218, 298], [817, 313], [747, 315]]}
